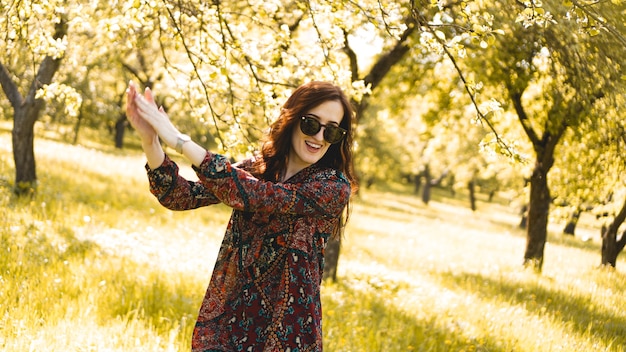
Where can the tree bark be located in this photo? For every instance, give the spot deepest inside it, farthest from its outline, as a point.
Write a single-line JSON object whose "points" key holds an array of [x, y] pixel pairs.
{"points": [[417, 183], [331, 259], [471, 186], [23, 136], [79, 122], [570, 227], [537, 226], [611, 246], [120, 128], [523, 224], [427, 185]]}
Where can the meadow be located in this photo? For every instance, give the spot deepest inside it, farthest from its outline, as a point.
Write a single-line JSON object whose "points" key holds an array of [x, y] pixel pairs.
{"points": [[91, 262]]}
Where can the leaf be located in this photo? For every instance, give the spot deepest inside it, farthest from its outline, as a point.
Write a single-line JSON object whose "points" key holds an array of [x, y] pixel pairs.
{"points": [[593, 31]]}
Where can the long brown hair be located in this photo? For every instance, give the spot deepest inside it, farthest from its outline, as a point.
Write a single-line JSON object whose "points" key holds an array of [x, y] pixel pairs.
{"points": [[275, 150]]}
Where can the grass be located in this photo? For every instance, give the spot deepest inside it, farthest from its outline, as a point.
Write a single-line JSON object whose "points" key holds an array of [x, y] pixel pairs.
{"points": [[92, 263]]}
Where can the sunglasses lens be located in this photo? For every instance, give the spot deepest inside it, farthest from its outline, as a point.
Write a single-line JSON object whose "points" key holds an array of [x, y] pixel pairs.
{"points": [[333, 134], [310, 126]]}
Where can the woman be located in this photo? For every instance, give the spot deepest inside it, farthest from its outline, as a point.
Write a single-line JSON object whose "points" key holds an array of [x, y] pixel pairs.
{"points": [[264, 293]]}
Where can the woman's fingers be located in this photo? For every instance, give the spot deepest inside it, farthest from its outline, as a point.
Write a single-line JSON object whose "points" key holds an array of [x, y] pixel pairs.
{"points": [[145, 103], [132, 89], [131, 108], [149, 95]]}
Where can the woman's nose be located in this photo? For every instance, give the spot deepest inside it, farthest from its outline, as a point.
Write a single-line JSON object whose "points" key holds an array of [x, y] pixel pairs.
{"points": [[320, 134]]}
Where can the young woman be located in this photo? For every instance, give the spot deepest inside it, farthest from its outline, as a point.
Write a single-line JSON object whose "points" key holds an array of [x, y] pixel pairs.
{"points": [[264, 293]]}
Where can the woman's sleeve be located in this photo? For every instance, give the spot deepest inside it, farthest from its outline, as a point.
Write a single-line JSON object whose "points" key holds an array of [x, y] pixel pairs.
{"points": [[324, 193], [175, 192]]}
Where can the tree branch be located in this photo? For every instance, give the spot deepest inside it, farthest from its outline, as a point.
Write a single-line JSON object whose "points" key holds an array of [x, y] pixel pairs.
{"points": [[10, 88], [612, 30], [516, 98], [621, 243], [470, 91], [619, 219], [46, 71], [385, 62], [214, 114], [354, 64]]}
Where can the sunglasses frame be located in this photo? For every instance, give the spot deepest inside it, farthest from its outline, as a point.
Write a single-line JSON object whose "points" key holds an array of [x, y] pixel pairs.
{"points": [[327, 127]]}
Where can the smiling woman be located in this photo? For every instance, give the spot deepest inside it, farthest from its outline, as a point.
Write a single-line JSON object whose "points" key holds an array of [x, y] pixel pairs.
{"points": [[287, 202], [308, 144]]}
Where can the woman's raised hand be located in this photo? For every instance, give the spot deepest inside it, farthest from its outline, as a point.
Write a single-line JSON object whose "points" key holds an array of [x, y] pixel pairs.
{"points": [[147, 118], [143, 127]]}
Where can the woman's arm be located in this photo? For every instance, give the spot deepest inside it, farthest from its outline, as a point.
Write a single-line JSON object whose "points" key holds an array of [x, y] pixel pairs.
{"points": [[150, 122], [322, 192], [175, 192]]}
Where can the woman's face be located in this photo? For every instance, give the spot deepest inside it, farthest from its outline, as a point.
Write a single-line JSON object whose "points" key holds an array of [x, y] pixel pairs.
{"points": [[307, 150]]}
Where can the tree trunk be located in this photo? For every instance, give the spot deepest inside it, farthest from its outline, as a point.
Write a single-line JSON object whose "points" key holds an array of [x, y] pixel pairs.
{"points": [[331, 259], [417, 183], [570, 227], [427, 185], [611, 246], [120, 128], [79, 121], [523, 224], [539, 202], [23, 152], [471, 186], [538, 210]]}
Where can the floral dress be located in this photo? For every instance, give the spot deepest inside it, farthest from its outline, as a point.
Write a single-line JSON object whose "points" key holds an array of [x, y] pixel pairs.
{"points": [[264, 293]]}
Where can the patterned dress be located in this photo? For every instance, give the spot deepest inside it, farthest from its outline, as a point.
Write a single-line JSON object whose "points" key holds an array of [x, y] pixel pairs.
{"points": [[264, 293]]}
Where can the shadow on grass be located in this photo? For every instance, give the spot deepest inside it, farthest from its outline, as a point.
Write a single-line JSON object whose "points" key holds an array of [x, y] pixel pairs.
{"points": [[399, 207], [574, 242], [572, 310], [408, 208], [392, 201], [388, 210], [365, 320]]}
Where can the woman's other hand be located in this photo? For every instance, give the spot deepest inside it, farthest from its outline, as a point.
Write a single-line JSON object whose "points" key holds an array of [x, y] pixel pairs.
{"points": [[146, 109], [148, 134], [145, 130]]}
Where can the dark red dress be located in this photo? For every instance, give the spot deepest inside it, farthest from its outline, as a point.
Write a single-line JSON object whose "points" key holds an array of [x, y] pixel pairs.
{"points": [[264, 293]]}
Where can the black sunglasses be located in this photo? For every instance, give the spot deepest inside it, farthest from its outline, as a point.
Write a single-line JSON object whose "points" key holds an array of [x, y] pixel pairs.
{"points": [[310, 126]]}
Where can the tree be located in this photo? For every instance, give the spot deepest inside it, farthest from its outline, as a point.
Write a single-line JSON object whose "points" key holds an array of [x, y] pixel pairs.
{"points": [[611, 245], [552, 89], [78, 44], [48, 54], [590, 169]]}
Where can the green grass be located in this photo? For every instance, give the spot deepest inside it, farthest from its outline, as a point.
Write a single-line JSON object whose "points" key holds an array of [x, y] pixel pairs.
{"points": [[93, 263]]}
